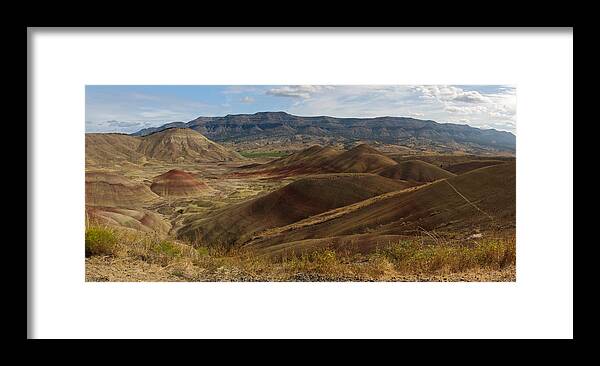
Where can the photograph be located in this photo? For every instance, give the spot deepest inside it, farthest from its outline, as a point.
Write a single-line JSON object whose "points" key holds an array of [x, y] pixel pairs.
{"points": [[307, 183], [300, 183]]}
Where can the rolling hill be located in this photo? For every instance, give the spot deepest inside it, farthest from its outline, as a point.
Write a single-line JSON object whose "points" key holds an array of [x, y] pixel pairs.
{"points": [[109, 189], [171, 145], [314, 159], [461, 168], [183, 144], [296, 201], [112, 148], [177, 183], [136, 219], [317, 159], [415, 170], [445, 161], [483, 198], [360, 159]]}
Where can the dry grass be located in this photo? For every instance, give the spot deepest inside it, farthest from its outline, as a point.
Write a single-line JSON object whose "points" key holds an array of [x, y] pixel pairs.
{"points": [[220, 263], [415, 257]]}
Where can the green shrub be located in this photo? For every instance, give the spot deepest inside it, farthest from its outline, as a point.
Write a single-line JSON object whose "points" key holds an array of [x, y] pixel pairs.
{"points": [[100, 241], [168, 249], [202, 251]]}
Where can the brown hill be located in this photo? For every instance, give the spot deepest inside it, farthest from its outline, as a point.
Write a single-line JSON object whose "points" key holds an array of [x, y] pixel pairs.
{"points": [[311, 160], [137, 219], [296, 201], [109, 189], [461, 168], [317, 159], [446, 160], [483, 198], [360, 159], [177, 183], [313, 156], [415, 170], [172, 145], [112, 148], [184, 145]]}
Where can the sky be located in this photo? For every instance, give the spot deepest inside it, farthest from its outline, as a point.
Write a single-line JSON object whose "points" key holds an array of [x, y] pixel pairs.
{"points": [[129, 108]]}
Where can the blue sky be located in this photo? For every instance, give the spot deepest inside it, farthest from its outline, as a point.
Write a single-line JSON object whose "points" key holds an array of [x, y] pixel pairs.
{"points": [[129, 108]]}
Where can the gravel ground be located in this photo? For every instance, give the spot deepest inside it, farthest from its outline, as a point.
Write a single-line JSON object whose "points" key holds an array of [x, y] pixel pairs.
{"points": [[106, 269]]}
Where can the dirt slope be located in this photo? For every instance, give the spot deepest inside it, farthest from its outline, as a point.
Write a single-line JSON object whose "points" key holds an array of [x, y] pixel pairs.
{"points": [[360, 159], [296, 201], [171, 146], [109, 189], [177, 183], [415, 170], [462, 168], [137, 219], [112, 148], [483, 198], [184, 145], [317, 159]]}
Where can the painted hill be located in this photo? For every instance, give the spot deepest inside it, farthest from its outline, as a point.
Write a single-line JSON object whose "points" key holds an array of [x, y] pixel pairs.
{"points": [[170, 145], [296, 201], [136, 219], [177, 183], [314, 159], [314, 156], [317, 159], [382, 129], [483, 198], [360, 159], [461, 168], [112, 148], [109, 189], [415, 170], [184, 144], [445, 161]]}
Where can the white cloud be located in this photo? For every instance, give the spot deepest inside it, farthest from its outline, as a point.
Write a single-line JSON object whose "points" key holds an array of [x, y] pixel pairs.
{"points": [[466, 109], [247, 100], [123, 124], [448, 93], [359, 101], [297, 91]]}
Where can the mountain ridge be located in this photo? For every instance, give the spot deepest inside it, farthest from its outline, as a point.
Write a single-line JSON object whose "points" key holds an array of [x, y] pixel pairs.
{"points": [[386, 129]]}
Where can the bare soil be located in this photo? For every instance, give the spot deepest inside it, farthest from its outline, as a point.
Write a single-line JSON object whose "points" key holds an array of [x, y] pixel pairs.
{"points": [[106, 269]]}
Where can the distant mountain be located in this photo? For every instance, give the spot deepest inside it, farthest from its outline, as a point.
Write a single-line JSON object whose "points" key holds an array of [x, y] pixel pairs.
{"points": [[151, 130], [398, 130]]}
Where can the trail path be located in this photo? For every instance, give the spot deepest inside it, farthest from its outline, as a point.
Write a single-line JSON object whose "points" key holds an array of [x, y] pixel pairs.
{"points": [[469, 202]]}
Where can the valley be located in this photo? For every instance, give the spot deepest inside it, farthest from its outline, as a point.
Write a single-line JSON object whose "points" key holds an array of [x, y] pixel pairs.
{"points": [[172, 204]]}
